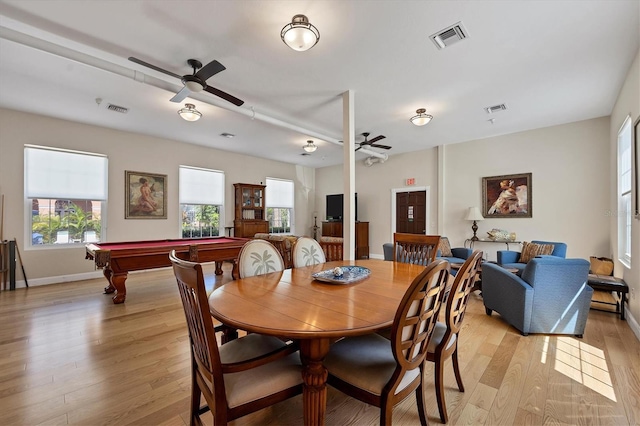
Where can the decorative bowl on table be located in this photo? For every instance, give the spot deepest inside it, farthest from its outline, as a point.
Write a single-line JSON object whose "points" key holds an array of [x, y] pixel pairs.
{"points": [[342, 274]]}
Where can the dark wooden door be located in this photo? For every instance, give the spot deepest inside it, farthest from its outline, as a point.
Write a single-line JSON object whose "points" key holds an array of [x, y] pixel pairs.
{"points": [[410, 212]]}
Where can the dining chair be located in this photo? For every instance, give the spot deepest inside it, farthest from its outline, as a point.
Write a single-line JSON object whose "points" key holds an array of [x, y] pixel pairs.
{"points": [[258, 257], [239, 377], [332, 248], [307, 251], [444, 342], [383, 372], [415, 248]]}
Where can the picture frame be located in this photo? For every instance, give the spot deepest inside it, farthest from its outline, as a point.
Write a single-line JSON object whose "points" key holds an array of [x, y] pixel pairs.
{"points": [[507, 196], [145, 195], [636, 166]]}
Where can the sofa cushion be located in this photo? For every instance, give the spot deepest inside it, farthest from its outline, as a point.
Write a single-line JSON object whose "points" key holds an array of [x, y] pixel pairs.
{"points": [[444, 247], [531, 250]]}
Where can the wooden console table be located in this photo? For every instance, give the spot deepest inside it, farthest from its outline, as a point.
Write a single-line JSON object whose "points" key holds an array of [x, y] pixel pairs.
{"points": [[471, 242]]}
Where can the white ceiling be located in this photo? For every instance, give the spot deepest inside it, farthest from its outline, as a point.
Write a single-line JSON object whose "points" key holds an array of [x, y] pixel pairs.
{"points": [[551, 62]]}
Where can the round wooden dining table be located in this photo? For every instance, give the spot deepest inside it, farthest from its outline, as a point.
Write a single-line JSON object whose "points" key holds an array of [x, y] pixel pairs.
{"points": [[292, 304]]}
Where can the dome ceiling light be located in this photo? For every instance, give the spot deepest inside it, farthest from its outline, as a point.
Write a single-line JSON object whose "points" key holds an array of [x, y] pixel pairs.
{"points": [[300, 35]]}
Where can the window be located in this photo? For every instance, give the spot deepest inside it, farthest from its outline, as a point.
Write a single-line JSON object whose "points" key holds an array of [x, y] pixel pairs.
{"points": [[624, 193], [279, 205], [65, 192], [201, 202]]}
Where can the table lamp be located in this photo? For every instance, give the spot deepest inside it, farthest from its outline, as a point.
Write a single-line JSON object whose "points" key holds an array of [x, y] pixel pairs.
{"points": [[474, 215]]}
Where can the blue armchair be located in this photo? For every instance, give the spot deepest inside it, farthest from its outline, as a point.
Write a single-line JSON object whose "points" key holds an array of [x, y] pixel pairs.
{"points": [[511, 259], [552, 295]]}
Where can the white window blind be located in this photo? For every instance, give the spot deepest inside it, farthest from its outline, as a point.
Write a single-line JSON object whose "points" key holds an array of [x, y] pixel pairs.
{"points": [[52, 173], [279, 193], [201, 186]]}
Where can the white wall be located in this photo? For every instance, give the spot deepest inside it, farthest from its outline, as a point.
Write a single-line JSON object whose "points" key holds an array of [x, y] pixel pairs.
{"points": [[374, 185], [569, 188], [628, 103], [126, 151]]}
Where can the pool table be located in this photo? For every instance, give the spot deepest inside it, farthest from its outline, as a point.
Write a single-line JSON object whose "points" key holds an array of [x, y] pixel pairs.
{"points": [[117, 259]]}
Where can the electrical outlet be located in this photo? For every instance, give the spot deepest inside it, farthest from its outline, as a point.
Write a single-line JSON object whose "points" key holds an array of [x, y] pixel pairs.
{"points": [[633, 293]]}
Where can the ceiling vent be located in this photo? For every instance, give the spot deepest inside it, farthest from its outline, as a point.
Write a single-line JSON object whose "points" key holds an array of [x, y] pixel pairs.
{"points": [[117, 108], [495, 108], [453, 34]]}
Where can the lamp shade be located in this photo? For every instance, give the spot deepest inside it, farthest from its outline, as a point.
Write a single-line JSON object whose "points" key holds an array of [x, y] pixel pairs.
{"points": [[474, 214], [300, 35], [421, 118], [190, 113]]}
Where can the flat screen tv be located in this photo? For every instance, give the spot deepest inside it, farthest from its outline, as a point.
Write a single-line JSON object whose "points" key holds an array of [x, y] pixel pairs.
{"points": [[335, 207]]}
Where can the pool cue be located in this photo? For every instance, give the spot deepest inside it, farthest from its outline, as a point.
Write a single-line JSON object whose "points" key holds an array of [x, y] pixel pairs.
{"points": [[24, 274]]}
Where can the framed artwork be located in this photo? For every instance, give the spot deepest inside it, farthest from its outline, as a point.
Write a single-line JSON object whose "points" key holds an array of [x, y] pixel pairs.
{"points": [[507, 196], [636, 165], [145, 195]]}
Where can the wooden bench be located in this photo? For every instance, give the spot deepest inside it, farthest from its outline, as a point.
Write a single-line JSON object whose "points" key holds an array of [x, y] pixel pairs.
{"points": [[610, 284]]}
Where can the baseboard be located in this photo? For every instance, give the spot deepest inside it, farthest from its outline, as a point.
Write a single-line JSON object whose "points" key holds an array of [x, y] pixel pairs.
{"points": [[633, 322], [35, 282]]}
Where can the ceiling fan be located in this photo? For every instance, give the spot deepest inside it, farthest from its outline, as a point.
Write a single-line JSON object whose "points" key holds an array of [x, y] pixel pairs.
{"points": [[372, 142], [195, 82]]}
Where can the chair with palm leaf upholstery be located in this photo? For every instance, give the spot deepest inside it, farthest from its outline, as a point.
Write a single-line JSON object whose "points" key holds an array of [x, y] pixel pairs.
{"points": [[258, 257], [415, 248], [444, 342], [383, 372], [307, 251], [239, 377]]}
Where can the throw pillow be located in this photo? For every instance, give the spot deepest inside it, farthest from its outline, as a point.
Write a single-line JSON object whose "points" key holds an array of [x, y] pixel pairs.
{"points": [[444, 247], [531, 250]]}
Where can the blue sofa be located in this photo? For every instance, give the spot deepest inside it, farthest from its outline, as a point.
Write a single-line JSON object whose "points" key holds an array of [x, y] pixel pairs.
{"points": [[552, 295], [511, 259]]}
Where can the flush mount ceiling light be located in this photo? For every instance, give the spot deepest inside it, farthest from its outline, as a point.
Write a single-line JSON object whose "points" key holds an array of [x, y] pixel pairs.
{"points": [[309, 147], [300, 35], [190, 113], [421, 119]]}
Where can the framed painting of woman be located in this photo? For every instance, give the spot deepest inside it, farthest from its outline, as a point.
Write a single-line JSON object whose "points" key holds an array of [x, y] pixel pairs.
{"points": [[145, 195]]}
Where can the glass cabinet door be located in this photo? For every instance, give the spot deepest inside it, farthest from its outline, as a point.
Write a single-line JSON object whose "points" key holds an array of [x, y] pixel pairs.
{"points": [[246, 197], [257, 197]]}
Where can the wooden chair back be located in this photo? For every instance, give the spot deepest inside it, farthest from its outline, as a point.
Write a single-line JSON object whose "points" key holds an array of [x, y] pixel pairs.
{"points": [[245, 356], [459, 293], [417, 315], [415, 248]]}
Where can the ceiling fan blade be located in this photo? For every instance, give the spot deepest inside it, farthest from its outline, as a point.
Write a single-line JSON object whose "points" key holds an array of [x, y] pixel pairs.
{"points": [[380, 146], [376, 139], [153, 67], [358, 147], [179, 97], [212, 68], [224, 95]]}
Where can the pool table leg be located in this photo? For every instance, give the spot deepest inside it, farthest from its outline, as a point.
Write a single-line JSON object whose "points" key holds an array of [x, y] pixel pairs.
{"points": [[116, 285], [219, 268]]}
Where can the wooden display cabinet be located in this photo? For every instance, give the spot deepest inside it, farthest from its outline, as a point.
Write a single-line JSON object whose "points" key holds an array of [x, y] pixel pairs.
{"points": [[250, 213], [334, 229]]}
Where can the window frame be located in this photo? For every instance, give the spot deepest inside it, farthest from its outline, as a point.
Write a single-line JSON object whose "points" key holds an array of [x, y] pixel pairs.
{"points": [[194, 202], [28, 202], [275, 205], [624, 191]]}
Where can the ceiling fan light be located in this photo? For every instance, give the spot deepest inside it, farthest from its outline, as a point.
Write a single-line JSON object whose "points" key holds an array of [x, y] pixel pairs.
{"points": [[300, 35], [190, 113], [421, 118], [192, 83], [310, 147]]}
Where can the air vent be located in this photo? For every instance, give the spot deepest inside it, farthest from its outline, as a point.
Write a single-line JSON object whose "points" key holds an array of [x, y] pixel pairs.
{"points": [[495, 108], [117, 108], [453, 34]]}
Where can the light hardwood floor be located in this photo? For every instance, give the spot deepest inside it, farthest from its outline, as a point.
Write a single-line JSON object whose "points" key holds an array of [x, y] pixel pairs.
{"points": [[69, 356]]}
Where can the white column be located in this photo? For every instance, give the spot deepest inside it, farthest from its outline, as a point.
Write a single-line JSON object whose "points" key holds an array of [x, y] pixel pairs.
{"points": [[349, 175]]}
